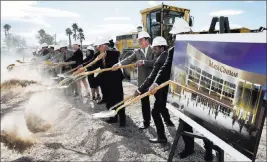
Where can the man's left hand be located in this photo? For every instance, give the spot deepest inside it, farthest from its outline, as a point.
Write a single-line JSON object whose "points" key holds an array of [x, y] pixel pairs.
{"points": [[136, 93], [139, 63]]}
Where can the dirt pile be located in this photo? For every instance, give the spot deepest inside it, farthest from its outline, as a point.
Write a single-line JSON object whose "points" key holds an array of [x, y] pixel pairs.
{"points": [[76, 136], [13, 142], [14, 83]]}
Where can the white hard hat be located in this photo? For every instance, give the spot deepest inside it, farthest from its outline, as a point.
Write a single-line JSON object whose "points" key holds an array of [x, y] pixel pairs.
{"points": [[63, 45], [44, 45], [56, 47], [159, 41], [90, 48], [77, 42], [101, 41], [180, 26], [49, 46], [143, 34]]}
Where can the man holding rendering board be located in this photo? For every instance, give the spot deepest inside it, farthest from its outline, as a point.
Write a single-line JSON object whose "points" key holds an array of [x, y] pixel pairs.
{"points": [[164, 75]]}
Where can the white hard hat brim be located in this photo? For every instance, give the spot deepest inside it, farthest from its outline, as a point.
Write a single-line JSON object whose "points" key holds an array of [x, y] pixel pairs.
{"points": [[180, 30], [180, 26], [143, 34], [159, 41]]}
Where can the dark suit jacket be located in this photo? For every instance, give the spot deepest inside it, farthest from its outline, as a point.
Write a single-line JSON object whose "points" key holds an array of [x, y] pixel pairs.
{"points": [[77, 57], [149, 61], [150, 79], [110, 81], [111, 59], [165, 71]]}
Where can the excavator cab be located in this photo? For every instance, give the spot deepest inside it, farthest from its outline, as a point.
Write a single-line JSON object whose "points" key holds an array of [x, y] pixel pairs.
{"points": [[158, 20]]}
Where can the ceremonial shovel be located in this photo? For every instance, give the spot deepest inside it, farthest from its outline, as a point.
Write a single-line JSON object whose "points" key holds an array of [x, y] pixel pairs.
{"points": [[83, 68], [84, 74], [112, 113]]}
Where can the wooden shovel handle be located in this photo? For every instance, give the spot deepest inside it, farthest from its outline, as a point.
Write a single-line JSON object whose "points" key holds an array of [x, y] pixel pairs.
{"points": [[142, 96], [125, 100], [88, 65], [106, 69]]}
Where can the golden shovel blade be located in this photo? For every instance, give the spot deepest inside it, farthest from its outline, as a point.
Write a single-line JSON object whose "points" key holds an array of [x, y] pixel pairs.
{"points": [[104, 114]]}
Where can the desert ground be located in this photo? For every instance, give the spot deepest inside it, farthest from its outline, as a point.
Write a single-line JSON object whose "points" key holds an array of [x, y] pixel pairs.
{"points": [[74, 135]]}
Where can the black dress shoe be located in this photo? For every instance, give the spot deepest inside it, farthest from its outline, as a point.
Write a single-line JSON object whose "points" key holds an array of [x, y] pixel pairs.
{"points": [[169, 123], [144, 127], [208, 157], [185, 153], [158, 140]]}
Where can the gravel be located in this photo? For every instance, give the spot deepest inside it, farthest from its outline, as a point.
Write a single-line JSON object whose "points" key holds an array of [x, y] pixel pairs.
{"points": [[76, 136]]}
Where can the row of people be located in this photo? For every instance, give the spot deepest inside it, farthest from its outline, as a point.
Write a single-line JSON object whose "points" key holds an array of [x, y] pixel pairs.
{"points": [[154, 67]]}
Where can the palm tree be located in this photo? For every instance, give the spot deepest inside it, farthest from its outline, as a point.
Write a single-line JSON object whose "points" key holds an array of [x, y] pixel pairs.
{"points": [[41, 33], [69, 33], [75, 30], [81, 35], [7, 27]]}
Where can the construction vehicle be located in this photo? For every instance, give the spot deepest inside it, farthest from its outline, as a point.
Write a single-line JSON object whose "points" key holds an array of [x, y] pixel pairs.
{"points": [[158, 21], [151, 21]]}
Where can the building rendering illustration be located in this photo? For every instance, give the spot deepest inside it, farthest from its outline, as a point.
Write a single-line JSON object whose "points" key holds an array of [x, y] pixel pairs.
{"points": [[234, 92]]}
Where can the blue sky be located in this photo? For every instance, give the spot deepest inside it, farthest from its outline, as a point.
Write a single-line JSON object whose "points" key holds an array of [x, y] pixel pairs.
{"points": [[100, 18]]}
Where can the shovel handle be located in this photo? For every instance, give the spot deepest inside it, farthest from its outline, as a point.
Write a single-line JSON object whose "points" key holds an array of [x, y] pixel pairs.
{"points": [[106, 69], [125, 100], [142, 96], [93, 62], [86, 66]]}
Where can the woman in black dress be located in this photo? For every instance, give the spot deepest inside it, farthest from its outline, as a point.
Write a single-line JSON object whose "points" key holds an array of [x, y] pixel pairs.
{"points": [[90, 56]]}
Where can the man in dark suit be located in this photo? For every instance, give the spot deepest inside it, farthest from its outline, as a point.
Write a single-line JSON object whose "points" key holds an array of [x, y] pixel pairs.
{"points": [[164, 75], [144, 59], [78, 58], [110, 81], [160, 48]]}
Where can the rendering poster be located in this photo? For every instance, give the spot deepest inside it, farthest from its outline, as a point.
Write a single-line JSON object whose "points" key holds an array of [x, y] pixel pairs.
{"points": [[223, 78]]}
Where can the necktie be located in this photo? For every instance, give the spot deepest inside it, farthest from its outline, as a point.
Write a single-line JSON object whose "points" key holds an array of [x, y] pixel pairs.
{"points": [[144, 50]]}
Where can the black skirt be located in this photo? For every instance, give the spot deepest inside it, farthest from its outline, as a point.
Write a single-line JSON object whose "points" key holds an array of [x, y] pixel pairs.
{"points": [[92, 81]]}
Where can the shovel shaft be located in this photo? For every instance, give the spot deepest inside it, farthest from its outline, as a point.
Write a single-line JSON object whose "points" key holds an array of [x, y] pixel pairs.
{"points": [[141, 96], [126, 99], [106, 69], [78, 70]]}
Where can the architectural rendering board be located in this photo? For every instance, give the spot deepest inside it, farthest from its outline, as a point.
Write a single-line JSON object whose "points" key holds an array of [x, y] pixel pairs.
{"points": [[225, 79]]}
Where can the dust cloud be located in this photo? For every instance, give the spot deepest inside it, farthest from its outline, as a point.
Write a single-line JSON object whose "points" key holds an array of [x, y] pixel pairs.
{"points": [[39, 109]]}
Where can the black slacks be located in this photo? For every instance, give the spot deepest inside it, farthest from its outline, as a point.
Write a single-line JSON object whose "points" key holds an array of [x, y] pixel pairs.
{"points": [[159, 110]]}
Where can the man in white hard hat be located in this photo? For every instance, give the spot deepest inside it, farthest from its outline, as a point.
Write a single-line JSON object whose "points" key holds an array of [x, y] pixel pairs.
{"points": [[44, 51], [163, 76], [144, 59], [159, 47], [110, 81]]}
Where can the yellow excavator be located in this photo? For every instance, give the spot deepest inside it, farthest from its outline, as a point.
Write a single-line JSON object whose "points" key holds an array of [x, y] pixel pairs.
{"points": [[158, 21]]}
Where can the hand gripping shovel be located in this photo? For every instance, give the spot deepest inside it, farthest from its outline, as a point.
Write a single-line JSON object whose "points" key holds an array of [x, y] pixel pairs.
{"points": [[67, 78], [84, 74], [112, 113]]}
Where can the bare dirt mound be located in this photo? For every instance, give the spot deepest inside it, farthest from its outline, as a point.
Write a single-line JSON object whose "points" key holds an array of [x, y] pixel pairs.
{"points": [[75, 136], [13, 83]]}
